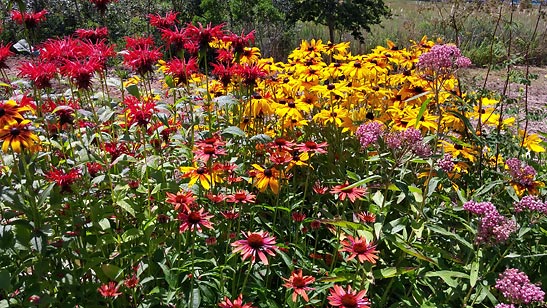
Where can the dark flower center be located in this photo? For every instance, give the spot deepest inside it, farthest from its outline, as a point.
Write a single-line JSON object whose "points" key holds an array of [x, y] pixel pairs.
{"points": [[268, 172], [357, 64], [201, 170], [194, 218], [458, 147], [2, 112], [311, 144], [360, 248], [291, 104], [330, 87], [209, 150], [15, 131], [349, 301], [298, 282], [255, 241]]}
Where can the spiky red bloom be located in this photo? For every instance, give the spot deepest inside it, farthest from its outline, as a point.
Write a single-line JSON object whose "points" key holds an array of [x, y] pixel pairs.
{"points": [[62, 178], [163, 22], [142, 60], [80, 72], [255, 244], [40, 73], [59, 50], [299, 284], [29, 20], [182, 69], [359, 247], [204, 35], [250, 73], [175, 38], [93, 35], [109, 290], [239, 42], [224, 72], [347, 298], [139, 112], [5, 52]]}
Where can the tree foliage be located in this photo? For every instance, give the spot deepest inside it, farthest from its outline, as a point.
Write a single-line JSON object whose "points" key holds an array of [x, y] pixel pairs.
{"points": [[347, 15]]}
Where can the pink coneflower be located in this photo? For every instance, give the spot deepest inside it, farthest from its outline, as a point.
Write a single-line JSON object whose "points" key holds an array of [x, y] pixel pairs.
{"points": [[255, 244], [237, 303], [230, 215], [360, 248], [181, 199], [299, 284], [208, 151], [241, 196], [109, 290], [194, 220], [347, 298], [131, 281], [351, 193], [313, 147], [366, 217]]}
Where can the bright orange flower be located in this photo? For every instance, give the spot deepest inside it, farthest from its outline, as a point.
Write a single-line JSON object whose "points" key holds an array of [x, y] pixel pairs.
{"points": [[11, 112]]}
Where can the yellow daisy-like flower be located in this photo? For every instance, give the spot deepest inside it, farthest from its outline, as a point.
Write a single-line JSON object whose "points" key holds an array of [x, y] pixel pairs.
{"points": [[459, 150], [206, 177], [532, 142], [337, 116]]}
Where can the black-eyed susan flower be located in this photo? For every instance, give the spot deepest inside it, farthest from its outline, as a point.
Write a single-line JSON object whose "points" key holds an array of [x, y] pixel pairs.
{"points": [[266, 177], [18, 136]]}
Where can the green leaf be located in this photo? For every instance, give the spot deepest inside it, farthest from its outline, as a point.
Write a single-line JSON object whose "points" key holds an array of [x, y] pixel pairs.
{"points": [[334, 279], [378, 198], [196, 299], [389, 272], [474, 275], [131, 234], [447, 277], [133, 90], [170, 278], [111, 271], [345, 224], [104, 224], [422, 108], [126, 207], [5, 280], [432, 186], [363, 181], [234, 131], [486, 188], [441, 230]]}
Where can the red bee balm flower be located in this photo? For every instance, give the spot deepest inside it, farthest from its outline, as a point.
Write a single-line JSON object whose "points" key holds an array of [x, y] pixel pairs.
{"points": [[39, 72], [29, 20], [63, 179], [348, 298], [360, 248], [101, 4], [255, 244], [5, 52], [299, 284]]}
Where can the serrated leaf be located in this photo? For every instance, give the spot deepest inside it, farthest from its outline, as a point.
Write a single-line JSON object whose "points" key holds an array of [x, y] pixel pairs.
{"points": [[111, 271]]}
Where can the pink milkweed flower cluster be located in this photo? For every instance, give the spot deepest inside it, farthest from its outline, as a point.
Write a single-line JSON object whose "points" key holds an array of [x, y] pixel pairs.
{"points": [[520, 172], [368, 133], [409, 140], [531, 203], [517, 288], [493, 227], [446, 163], [443, 59]]}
